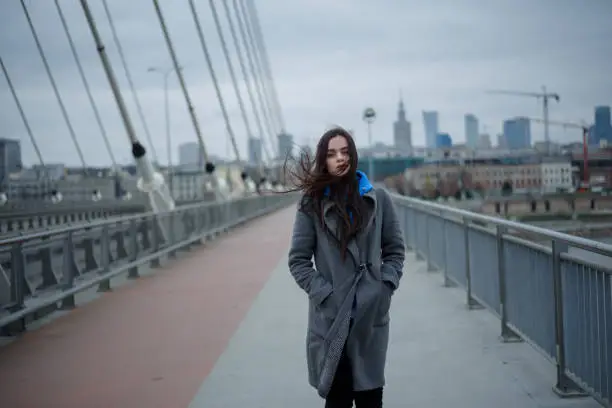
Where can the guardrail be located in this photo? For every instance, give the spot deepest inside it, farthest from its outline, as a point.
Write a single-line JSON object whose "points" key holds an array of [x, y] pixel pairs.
{"points": [[52, 216], [46, 215], [43, 271], [558, 298]]}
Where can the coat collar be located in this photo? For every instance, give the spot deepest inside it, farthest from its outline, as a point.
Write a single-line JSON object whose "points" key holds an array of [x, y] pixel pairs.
{"points": [[366, 190]]}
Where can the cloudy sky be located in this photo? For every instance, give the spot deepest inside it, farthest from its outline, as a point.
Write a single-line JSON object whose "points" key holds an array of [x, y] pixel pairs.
{"points": [[330, 59]]}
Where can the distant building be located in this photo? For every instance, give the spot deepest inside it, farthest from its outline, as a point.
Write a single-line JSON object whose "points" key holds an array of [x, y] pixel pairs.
{"points": [[430, 121], [285, 145], [517, 133], [542, 176], [557, 175], [471, 131], [501, 141], [402, 131], [484, 141], [602, 129], [443, 140], [254, 145], [10, 158]]}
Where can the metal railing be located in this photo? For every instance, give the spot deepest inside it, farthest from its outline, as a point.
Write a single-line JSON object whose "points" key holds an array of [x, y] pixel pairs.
{"points": [[25, 221], [42, 271], [558, 298], [35, 218]]}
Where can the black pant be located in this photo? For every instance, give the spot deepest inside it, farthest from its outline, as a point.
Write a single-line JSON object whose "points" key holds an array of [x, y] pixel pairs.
{"points": [[342, 395]]}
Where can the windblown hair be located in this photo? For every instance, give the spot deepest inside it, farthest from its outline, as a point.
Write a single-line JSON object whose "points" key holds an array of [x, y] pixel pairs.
{"points": [[311, 176]]}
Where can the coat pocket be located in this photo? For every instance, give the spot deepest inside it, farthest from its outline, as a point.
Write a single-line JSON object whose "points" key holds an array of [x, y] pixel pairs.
{"points": [[384, 304], [321, 315]]}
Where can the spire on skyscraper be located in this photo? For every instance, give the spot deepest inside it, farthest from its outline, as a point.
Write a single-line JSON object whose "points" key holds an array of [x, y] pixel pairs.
{"points": [[401, 112]]}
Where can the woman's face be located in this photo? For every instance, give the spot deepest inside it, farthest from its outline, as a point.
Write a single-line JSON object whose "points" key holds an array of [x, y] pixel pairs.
{"points": [[338, 159]]}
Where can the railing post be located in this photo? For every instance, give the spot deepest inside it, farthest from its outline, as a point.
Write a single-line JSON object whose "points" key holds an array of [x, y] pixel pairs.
{"points": [[134, 249], [155, 240], [470, 301], [18, 288], [447, 282], [408, 243], [68, 270], [565, 387], [418, 251], [171, 232], [507, 334], [430, 265], [104, 286]]}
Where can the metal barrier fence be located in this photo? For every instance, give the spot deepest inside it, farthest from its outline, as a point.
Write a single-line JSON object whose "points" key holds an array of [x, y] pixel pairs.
{"points": [[558, 298], [35, 218], [43, 271]]}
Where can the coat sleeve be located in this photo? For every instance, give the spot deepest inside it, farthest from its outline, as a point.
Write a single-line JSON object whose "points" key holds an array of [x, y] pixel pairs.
{"points": [[303, 242], [392, 243]]}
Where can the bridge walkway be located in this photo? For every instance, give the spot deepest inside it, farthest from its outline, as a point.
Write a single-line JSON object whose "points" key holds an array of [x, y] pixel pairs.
{"points": [[224, 326]]}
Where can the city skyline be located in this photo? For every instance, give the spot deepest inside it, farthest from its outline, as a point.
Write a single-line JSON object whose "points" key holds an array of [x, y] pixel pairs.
{"points": [[443, 57]]}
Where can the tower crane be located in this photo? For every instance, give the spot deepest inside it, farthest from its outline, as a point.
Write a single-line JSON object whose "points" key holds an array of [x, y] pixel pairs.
{"points": [[585, 144], [545, 95]]}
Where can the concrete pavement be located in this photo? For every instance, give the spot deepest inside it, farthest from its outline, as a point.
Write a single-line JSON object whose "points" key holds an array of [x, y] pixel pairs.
{"points": [[441, 354]]}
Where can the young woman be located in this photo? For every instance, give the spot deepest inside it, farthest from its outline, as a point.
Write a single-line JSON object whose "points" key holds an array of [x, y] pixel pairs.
{"points": [[351, 230]]}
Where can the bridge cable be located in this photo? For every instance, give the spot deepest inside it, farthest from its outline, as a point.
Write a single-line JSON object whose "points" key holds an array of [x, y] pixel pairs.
{"points": [[257, 63], [243, 36], [22, 114], [92, 102], [233, 79], [151, 182], [54, 86], [245, 77], [213, 76], [266, 61], [129, 79], [210, 168]]}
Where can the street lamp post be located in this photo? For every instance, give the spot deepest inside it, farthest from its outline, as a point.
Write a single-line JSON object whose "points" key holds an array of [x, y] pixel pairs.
{"points": [[166, 73], [369, 116]]}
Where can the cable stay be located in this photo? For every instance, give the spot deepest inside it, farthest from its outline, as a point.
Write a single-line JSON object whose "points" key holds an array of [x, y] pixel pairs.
{"points": [[247, 82], [96, 196], [55, 89], [266, 61], [243, 35], [150, 182], [128, 75], [258, 68], [212, 184], [220, 99], [3, 195]]}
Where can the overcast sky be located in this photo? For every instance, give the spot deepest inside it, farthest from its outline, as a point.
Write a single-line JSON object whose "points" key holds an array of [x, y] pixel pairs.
{"points": [[330, 60]]}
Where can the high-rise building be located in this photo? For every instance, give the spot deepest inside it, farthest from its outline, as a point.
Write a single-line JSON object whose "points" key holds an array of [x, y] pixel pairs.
{"points": [[484, 141], [443, 140], [517, 133], [254, 150], [471, 131], [602, 129], [10, 158], [402, 131], [501, 141], [430, 120], [285, 145]]}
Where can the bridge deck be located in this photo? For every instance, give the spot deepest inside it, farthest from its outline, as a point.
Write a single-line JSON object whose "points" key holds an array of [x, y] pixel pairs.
{"points": [[224, 326]]}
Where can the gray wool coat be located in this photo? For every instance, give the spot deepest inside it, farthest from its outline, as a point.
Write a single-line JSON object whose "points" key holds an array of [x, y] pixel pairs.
{"points": [[369, 274]]}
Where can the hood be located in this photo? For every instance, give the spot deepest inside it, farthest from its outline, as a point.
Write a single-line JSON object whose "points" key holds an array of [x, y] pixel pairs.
{"points": [[364, 184]]}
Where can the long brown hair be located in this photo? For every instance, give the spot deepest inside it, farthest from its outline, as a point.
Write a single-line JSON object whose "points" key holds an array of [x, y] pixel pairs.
{"points": [[312, 178]]}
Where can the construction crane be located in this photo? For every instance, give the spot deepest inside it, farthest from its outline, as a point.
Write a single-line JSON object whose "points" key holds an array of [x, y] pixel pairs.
{"points": [[585, 145], [545, 95]]}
